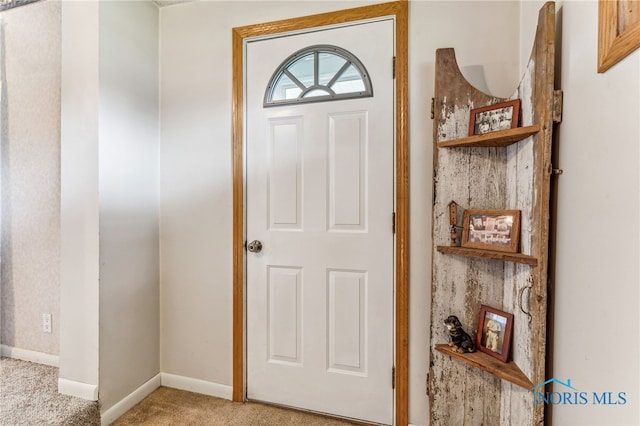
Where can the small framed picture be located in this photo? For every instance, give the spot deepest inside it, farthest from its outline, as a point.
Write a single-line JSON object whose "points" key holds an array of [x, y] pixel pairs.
{"points": [[494, 332], [492, 118], [497, 230]]}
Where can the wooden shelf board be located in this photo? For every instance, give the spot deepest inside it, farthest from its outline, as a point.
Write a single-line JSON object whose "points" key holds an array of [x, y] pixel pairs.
{"points": [[493, 139], [489, 254], [507, 371]]}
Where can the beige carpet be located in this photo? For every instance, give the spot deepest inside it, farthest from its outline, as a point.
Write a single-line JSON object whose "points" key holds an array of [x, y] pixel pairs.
{"points": [[29, 396], [172, 407]]}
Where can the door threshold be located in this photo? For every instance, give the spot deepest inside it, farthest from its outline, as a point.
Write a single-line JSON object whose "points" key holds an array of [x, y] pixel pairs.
{"points": [[315, 413]]}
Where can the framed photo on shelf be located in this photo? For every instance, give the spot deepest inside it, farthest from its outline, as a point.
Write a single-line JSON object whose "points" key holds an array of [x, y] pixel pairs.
{"points": [[494, 333], [492, 118], [497, 230]]}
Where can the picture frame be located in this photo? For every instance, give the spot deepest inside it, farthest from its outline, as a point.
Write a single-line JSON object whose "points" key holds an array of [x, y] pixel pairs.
{"points": [[618, 31], [497, 230], [494, 333], [493, 118]]}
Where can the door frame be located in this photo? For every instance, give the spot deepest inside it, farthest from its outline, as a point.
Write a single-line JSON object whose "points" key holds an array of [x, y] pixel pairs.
{"points": [[399, 10]]}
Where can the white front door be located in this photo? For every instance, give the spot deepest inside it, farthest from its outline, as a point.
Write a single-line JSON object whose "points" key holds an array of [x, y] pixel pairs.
{"points": [[319, 184]]}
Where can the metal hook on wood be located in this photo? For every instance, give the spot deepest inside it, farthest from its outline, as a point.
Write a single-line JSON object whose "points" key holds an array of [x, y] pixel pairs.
{"points": [[520, 293]]}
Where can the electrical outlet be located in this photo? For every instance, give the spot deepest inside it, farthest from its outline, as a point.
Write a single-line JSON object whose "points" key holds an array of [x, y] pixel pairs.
{"points": [[46, 323]]}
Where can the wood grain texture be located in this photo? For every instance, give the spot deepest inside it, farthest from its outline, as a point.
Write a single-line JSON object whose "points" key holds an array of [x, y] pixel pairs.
{"points": [[496, 139], [505, 370], [460, 284], [544, 54], [238, 218], [399, 10], [488, 254], [628, 14], [618, 31], [513, 175], [520, 194]]}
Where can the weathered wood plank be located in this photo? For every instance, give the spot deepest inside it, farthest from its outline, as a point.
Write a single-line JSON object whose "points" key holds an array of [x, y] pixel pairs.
{"points": [[544, 51], [465, 283], [518, 280], [504, 175]]}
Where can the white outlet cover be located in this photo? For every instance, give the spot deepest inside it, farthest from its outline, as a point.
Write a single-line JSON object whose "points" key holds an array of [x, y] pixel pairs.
{"points": [[46, 323]]}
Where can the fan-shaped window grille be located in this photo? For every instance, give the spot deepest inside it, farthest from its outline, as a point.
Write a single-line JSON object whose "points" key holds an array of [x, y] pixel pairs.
{"points": [[316, 74]]}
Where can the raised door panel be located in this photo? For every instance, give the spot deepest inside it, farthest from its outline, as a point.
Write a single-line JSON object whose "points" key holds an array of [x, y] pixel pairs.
{"points": [[347, 171], [285, 173], [284, 314], [346, 313]]}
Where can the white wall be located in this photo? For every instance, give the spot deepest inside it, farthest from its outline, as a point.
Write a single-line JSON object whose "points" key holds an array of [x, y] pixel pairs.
{"points": [[128, 197], [597, 250], [110, 203], [30, 146], [196, 216], [196, 220], [79, 292]]}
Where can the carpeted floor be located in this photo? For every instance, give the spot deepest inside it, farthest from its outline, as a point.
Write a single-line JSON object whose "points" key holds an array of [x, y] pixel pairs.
{"points": [[173, 407], [29, 396]]}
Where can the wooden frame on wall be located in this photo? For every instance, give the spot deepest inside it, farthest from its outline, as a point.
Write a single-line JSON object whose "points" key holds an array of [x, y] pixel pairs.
{"points": [[618, 31], [399, 9]]}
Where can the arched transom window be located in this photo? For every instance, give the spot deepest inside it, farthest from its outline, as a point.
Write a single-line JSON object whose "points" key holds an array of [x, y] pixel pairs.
{"points": [[318, 73]]}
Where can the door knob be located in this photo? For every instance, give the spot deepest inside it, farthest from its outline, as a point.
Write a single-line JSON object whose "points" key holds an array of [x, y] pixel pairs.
{"points": [[254, 246]]}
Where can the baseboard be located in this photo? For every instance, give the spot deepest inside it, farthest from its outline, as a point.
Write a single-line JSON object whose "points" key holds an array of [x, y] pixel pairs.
{"points": [[78, 389], [27, 355], [129, 401], [196, 385]]}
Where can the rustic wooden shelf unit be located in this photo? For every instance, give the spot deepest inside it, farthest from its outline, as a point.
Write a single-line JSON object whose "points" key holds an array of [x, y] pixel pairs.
{"points": [[509, 169]]}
